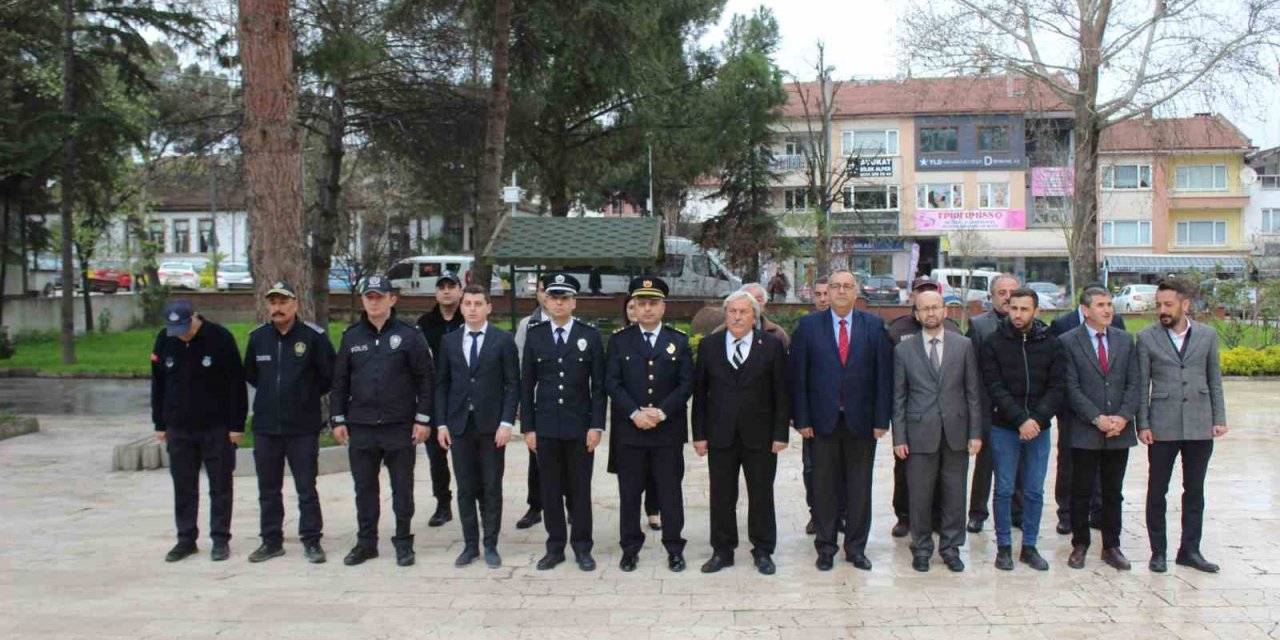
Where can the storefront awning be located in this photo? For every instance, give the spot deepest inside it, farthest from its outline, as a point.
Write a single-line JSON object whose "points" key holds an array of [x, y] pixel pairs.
{"points": [[1162, 264]]}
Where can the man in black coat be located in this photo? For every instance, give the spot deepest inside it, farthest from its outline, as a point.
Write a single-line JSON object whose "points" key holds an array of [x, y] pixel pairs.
{"points": [[440, 320], [476, 398], [649, 378]]}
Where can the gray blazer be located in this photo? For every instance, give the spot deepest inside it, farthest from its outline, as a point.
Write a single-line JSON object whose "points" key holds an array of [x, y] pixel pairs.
{"points": [[929, 405], [1091, 394], [1181, 396]]}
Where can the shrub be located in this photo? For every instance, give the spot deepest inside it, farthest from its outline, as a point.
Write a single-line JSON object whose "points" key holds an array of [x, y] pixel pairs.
{"points": [[1243, 361]]}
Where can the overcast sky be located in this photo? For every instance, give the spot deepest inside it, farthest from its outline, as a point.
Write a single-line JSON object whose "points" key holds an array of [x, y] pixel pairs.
{"points": [[861, 42]]}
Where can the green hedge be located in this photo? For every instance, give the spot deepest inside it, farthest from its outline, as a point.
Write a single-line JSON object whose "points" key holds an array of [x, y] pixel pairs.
{"points": [[1243, 361]]}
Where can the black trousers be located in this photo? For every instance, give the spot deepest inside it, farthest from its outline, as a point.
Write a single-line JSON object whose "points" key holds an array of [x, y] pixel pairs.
{"points": [[1091, 467], [937, 480], [1161, 456], [566, 466], [984, 472], [302, 452], [841, 457], [188, 450], [1064, 479], [438, 461], [760, 467], [535, 486], [479, 464], [806, 461], [658, 474], [370, 448]]}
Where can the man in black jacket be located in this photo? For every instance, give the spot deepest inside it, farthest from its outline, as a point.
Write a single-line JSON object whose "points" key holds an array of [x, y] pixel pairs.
{"points": [[290, 363], [383, 389], [1023, 372], [198, 406], [440, 320]]}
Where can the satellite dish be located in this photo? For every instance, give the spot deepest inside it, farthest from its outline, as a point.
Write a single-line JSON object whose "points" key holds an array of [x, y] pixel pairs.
{"points": [[1248, 176]]}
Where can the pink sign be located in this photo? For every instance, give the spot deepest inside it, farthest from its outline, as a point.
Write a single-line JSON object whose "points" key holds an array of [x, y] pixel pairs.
{"points": [[1053, 181], [956, 219]]}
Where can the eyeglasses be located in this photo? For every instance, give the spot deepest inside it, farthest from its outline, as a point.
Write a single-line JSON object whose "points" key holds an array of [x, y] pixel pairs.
{"points": [[841, 286], [930, 309]]}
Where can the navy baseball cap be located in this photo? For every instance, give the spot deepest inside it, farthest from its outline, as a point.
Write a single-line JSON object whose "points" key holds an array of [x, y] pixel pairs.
{"points": [[376, 283], [449, 276], [177, 317]]}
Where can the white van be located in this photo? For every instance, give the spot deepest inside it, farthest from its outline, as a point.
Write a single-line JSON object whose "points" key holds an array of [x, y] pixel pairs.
{"points": [[690, 271], [954, 282], [418, 275]]}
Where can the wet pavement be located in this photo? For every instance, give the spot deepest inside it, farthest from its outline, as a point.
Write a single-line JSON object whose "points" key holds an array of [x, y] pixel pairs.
{"points": [[71, 397]]}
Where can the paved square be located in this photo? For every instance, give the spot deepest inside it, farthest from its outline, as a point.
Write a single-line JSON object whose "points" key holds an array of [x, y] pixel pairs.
{"points": [[81, 556]]}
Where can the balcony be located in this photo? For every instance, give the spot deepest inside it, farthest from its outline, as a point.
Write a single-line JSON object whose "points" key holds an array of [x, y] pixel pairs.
{"points": [[784, 163], [1191, 199]]}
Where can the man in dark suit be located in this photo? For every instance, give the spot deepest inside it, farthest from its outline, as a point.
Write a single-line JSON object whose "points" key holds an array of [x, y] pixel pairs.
{"points": [[649, 377], [842, 368], [741, 408], [937, 425], [476, 398], [1062, 482], [1102, 393], [562, 412]]}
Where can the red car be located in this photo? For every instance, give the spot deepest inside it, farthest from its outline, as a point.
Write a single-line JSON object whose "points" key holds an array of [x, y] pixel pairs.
{"points": [[113, 271]]}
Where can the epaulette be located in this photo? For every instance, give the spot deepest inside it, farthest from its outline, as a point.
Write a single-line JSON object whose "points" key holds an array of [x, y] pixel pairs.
{"points": [[585, 323], [314, 327], [536, 323], [255, 329], [675, 329], [621, 329]]}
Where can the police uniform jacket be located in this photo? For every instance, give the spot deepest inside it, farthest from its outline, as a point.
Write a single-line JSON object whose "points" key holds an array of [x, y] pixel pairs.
{"points": [[562, 388], [637, 377], [291, 372], [382, 377], [198, 385]]}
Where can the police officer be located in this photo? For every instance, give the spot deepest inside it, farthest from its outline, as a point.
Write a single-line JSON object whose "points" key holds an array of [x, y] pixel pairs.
{"points": [[562, 416], [649, 378], [290, 363], [441, 319], [198, 406], [383, 385]]}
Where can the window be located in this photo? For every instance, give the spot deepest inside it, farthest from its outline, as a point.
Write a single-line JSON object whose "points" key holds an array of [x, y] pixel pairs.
{"points": [[1127, 176], [1049, 211], [874, 142], [871, 198], [400, 271], [939, 140], [993, 195], [939, 196], [792, 147], [673, 267], [182, 236], [702, 265], [795, 199], [155, 234], [434, 269], [207, 240], [1202, 233], [1205, 177], [1271, 220], [995, 138], [1135, 233]]}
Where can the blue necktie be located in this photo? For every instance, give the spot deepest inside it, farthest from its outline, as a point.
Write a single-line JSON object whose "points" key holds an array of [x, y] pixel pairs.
{"points": [[475, 349]]}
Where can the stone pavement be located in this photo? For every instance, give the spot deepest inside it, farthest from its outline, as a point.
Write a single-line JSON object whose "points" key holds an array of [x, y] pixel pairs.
{"points": [[81, 556]]}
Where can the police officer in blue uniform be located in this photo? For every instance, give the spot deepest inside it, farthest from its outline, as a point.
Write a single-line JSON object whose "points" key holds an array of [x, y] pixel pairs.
{"points": [[562, 417], [649, 378], [290, 363], [383, 389]]}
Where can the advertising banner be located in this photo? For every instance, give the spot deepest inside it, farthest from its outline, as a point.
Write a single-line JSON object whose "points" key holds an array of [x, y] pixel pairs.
{"points": [[981, 219], [1052, 181]]}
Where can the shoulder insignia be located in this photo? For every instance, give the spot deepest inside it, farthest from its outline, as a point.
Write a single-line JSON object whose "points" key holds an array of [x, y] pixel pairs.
{"points": [[674, 329], [619, 330], [314, 327], [536, 323], [260, 326], [586, 324]]}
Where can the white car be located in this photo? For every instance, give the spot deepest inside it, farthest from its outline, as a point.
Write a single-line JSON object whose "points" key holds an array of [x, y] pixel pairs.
{"points": [[234, 275], [1135, 298], [179, 274]]}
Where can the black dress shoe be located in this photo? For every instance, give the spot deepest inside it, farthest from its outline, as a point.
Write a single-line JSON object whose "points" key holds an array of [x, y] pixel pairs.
{"points": [[467, 556], [1076, 559], [717, 563], [1158, 562], [860, 561], [628, 562], [550, 561], [586, 562], [1032, 558], [443, 514], [359, 554], [975, 525], [808, 528], [1004, 557], [1196, 561], [405, 556], [1064, 528], [920, 563], [655, 522], [530, 518], [221, 551], [825, 562], [266, 552], [180, 551], [764, 564], [901, 529], [314, 553], [491, 558], [954, 563], [1116, 560], [675, 562]]}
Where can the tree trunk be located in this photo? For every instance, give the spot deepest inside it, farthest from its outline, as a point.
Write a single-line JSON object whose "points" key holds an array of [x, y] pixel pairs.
{"points": [[488, 207], [4, 256], [84, 286], [326, 232], [1084, 214], [68, 309], [269, 137]]}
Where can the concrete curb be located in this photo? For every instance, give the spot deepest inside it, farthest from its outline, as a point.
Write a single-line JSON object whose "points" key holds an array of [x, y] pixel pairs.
{"points": [[19, 426], [146, 453], [73, 375]]}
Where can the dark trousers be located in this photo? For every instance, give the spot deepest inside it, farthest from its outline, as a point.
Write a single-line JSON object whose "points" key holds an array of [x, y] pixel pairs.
{"points": [[438, 461], [1161, 456], [760, 467], [842, 458], [302, 452], [535, 486], [1106, 467], [1065, 477], [478, 464], [806, 461], [984, 473], [937, 479], [187, 452], [658, 473], [369, 449], [565, 465]]}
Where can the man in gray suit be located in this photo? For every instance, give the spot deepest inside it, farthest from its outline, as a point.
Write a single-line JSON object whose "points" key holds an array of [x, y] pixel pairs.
{"points": [[1181, 410], [937, 425], [1002, 288], [1102, 400]]}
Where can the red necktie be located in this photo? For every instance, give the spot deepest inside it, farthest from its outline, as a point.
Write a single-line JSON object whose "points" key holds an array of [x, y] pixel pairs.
{"points": [[844, 342], [1102, 352]]}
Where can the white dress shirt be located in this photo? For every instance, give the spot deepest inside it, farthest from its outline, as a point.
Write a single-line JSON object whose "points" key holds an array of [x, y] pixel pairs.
{"points": [[925, 338], [729, 341], [1093, 340], [1178, 338], [466, 356]]}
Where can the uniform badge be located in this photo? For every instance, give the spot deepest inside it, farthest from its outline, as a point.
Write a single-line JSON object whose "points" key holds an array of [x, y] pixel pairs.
{"points": [[395, 341], [648, 284], [168, 363], [582, 344], [375, 281], [208, 361], [173, 317], [299, 349], [560, 279], [671, 348]]}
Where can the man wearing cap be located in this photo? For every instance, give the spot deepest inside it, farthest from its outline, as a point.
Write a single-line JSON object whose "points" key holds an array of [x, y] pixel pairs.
{"points": [[290, 364], [441, 319], [383, 389], [900, 330], [198, 407], [649, 378], [562, 417]]}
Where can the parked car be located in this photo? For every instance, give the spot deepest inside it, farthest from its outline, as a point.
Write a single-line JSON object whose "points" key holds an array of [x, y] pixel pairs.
{"points": [[233, 275], [114, 270], [180, 274], [1236, 299], [340, 279], [1135, 298], [881, 290], [1052, 296], [96, 284], [690, 270], [971, 284]]}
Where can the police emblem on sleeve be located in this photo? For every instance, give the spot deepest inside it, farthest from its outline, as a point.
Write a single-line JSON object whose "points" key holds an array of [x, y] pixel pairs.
{"points": [[395, 341], [582, 344], [299, 349], [208, 361]]}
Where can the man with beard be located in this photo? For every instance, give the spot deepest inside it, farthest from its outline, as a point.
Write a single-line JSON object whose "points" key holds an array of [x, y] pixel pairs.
{"points": [[441, 319]]}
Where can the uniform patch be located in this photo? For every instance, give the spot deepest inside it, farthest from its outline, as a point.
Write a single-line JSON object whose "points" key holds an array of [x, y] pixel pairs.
{"points": [[359, 348], [671, 348], [208, 361], [168, 362], [299, 349], [395, 341], [582, 344], [173, 317], [263, 359]]}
